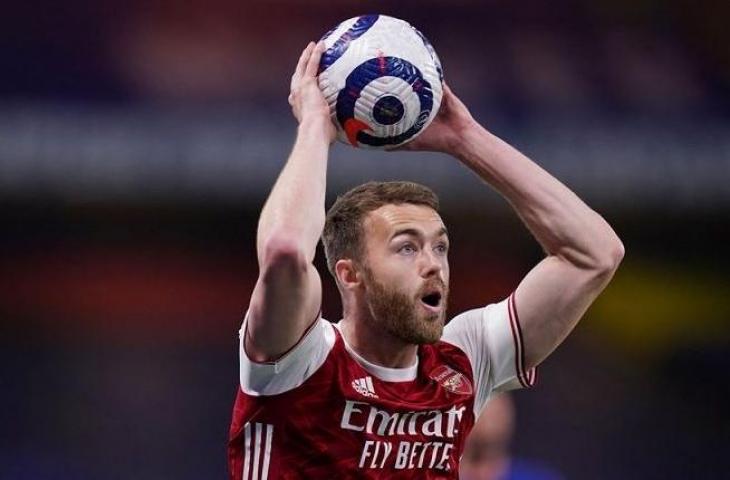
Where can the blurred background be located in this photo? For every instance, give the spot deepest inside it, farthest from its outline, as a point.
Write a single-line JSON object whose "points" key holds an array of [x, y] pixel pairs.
{"points": [[138, 141]]}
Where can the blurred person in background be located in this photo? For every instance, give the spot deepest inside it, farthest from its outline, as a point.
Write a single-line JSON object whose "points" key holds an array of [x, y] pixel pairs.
{"points": [[488, 451], [390, 390]]}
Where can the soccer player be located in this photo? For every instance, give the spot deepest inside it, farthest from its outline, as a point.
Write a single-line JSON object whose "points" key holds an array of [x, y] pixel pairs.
{"points": [[389, 392]]}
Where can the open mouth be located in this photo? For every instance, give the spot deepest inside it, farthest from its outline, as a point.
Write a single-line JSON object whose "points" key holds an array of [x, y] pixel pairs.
{"points": [[432, 299]]}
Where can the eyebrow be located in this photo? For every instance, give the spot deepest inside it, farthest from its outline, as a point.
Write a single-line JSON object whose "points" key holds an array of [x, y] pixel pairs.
{"points": [[416, 233]]}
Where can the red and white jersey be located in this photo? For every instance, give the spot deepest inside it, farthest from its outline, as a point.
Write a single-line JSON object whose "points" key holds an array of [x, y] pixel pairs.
{"points": [[322, 411]]}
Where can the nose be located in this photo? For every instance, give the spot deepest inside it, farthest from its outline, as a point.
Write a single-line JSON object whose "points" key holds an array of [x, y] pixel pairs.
{"points": [[431, 264]]}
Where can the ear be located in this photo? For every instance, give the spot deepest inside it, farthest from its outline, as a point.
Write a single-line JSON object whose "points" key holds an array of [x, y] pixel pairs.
{"points": [[347, 274]]}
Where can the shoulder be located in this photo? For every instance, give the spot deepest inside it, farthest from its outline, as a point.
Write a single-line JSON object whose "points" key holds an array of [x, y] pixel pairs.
{"points": [[472, 328], [291, 369], [467, 328]]}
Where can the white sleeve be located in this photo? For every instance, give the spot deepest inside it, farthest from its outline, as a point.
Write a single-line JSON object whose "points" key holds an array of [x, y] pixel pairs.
{"points": [[293, 368], [492, 340]]}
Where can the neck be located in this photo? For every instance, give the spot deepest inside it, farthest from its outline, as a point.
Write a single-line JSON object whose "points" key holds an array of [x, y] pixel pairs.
{"points": [[376, 346]]}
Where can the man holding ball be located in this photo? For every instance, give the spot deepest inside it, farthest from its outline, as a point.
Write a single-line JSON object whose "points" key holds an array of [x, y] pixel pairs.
{"points": [[390, 391]]}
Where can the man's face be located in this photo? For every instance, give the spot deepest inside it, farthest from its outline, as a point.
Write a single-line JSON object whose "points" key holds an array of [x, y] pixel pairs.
{"points": [[407, 271]]}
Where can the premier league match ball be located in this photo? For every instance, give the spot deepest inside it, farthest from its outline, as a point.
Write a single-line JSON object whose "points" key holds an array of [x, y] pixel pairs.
{"points": [[382, 80]]}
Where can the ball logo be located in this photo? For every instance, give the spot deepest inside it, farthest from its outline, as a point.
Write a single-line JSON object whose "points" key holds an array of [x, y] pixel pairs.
{"points": [[388, 110]]}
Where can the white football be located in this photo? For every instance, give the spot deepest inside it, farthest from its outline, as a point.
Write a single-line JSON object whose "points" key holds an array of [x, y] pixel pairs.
{"points": [[382, 80]]}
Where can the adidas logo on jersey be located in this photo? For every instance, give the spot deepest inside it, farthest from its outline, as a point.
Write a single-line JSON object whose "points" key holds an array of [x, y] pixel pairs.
{"points": [[364, 386]]}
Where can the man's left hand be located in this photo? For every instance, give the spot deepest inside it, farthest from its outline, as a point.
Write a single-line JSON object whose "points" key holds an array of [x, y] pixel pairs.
{"points": [[444, 132]]}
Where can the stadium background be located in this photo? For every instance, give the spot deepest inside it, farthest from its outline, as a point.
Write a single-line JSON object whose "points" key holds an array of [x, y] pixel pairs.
{"points": [[138, 141]]}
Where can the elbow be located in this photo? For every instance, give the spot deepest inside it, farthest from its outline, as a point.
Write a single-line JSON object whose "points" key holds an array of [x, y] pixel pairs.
{"points": [[282, 254], [610, 257]]}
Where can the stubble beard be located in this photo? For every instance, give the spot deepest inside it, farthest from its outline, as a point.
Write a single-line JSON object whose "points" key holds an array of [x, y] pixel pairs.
{"points": [[401, 315]]}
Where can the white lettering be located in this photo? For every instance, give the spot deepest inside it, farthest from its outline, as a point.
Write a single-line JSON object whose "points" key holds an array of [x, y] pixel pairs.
{"points": [[402, 422], [436, 447], [423, 452], [375, 455], [409, 452], [414, 452], [444, 462], [432, 426], [454, 415], [365, 452], [401, 458], [412, 424], [388, 448], [432, 423], [350, 408], [386, 419]]}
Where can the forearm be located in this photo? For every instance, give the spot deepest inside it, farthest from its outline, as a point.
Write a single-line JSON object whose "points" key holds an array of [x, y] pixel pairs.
{"points": [[560, 221], [294, 211], [583, 251]]}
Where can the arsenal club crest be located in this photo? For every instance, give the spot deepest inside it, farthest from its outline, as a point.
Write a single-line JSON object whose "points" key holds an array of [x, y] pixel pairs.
{"points": [[451, 380]]}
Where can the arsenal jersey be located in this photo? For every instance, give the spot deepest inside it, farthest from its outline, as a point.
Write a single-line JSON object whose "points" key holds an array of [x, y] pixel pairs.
{"points": [[323, 411]]}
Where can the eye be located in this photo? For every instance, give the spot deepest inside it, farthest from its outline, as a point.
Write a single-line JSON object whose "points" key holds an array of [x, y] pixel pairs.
{"points": [[407, 249], [442, 248]]}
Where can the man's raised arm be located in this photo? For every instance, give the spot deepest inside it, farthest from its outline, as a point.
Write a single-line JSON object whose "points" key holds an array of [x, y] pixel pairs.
{"points": [[288, 292], [583, 252]]}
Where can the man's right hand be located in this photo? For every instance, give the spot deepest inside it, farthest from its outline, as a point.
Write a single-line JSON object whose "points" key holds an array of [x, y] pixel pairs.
{"points": [[306, 99], [288, 293]]}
